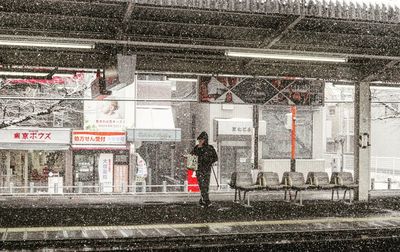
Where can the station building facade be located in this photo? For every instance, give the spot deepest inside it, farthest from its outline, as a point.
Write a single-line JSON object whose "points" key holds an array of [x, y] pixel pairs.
{"points": [[158, 118]]}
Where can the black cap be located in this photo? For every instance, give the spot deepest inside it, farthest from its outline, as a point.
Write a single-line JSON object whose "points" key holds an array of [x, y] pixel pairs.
{"points": [[203, 135]]}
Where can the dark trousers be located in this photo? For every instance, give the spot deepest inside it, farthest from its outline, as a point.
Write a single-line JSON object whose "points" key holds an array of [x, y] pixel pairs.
{"points": [[203, 178]]}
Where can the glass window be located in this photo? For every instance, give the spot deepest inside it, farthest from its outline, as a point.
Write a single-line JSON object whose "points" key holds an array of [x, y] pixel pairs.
{"points": [[277, 143]]}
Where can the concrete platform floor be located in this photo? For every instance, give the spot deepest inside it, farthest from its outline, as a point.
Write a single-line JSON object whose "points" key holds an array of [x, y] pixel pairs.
{"points": [[164, 223]]}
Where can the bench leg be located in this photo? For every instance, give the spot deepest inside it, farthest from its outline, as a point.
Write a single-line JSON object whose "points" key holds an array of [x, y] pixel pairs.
{"points": [[333, 192], [301, 198], [337, 193], [350, 195], [350, 190], [235, 195], [246, 193], [240, 196], [285, 194]]}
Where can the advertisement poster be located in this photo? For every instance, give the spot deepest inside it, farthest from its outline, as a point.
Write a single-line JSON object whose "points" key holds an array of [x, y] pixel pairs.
{"points": [[105, 168], [263, 91], [104, 115], [111, 114]]}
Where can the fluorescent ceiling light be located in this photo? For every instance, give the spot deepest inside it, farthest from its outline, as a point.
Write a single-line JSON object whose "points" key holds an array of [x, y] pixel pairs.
{"points": [[46, 44], [33, 74], [62, 75], [287, 56], [182, 79]]}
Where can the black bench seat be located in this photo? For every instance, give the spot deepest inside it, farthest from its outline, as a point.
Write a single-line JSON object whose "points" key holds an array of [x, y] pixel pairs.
{"points": [[243, 181]]}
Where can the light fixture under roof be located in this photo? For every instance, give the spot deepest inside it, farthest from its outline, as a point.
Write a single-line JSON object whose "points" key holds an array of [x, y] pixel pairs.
{"points": [[183, 79], [22, 74], [285, 56], [15, 72], [26, 43]]}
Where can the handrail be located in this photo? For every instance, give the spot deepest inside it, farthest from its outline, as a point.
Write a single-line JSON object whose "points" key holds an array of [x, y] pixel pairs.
{"points": [[80, 189]]}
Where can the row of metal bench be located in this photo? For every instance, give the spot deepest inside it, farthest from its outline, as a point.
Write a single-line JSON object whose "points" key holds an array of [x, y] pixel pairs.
{"points": [[292, 181]]}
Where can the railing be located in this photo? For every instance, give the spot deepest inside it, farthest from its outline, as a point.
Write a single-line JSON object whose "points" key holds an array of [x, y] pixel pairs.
{"points": [[81, 189], [388, 184]]}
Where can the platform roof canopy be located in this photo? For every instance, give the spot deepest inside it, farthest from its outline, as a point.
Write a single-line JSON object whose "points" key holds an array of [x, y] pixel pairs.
{"points": [[192, 36]]}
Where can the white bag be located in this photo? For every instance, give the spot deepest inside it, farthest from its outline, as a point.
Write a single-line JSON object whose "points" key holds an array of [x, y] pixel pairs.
{"points": [[191, 162], [141, 167]]}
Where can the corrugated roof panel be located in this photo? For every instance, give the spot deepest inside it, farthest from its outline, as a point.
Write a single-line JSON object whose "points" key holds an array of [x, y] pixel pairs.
{"points": [[372, 10]]}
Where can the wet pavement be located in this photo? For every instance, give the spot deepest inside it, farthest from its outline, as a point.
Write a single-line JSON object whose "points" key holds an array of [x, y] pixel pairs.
{"points": [[181, 212]]}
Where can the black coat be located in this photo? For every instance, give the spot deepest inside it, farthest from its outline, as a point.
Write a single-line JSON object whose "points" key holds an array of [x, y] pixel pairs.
{"points": [[206, 157]]}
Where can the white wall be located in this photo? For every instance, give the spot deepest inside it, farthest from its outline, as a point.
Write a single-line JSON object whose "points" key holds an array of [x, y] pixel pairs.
{"points": [[202, 113], [318, 139], [385, 138]]}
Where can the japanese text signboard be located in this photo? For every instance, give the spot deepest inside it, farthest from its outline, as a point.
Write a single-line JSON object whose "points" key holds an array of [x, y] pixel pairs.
{"points": [[106, 164], [239, 127], [100, 137], [35, 135], [263, 91]]}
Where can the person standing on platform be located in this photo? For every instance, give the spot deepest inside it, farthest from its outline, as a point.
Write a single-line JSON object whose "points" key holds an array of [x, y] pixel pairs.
{"points": [[206, 157]]}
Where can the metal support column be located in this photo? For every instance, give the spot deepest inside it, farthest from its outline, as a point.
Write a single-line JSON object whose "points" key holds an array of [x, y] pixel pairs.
{"points": [[132, 168], [256, 123], [69, 168], [362, 146], [8, 167], [26, 172], [293, 111]]}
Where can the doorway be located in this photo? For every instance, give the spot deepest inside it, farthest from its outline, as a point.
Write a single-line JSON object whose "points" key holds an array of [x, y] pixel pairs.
{"points": [[234, 159]]}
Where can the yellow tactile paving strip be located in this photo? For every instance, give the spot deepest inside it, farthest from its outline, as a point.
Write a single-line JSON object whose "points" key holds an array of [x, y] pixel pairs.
{"points": [[383, 221]]}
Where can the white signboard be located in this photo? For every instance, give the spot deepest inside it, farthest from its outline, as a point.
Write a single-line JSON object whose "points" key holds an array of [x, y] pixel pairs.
{"points": [[106, 164], [35, 135], [157, 135], [80, 137], [239, 127]]}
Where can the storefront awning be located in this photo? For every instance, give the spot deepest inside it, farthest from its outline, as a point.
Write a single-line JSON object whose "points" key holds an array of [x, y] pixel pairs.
{"points": [[154, 124], [36, 146], [31, 138]]}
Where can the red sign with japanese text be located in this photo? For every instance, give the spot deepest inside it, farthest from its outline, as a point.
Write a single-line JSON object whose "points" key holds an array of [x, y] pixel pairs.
{"points": [[35, 135], [98, 137]]}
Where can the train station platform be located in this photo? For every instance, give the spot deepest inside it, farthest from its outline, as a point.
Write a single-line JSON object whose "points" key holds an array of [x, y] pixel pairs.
{"points": [[167, 226]]}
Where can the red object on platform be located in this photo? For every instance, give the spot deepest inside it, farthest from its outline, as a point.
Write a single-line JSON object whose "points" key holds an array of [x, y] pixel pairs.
{"points": [[192, 181]]}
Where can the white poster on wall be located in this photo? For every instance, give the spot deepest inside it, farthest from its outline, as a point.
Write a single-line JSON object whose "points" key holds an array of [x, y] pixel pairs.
{"points": [[110, 115], [104, 115], [106, 164]]}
